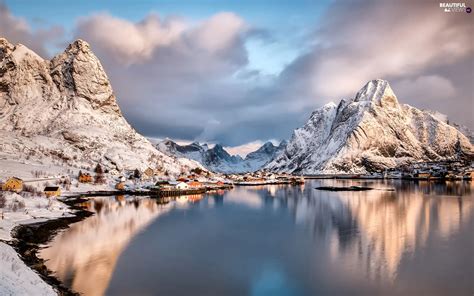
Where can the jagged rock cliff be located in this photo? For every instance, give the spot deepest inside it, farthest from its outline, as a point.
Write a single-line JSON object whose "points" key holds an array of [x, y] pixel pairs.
{"points": [[368, 133], [64, 110], [217, 159]]}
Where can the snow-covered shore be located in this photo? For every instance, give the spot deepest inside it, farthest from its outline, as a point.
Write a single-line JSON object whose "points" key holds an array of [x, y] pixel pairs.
{"points": [[16, 278]]}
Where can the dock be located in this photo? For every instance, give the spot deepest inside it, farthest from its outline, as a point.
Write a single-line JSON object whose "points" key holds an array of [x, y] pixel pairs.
{"points": [[154, 193]]}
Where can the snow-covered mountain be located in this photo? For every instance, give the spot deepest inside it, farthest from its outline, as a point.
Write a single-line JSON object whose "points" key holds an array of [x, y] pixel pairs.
{"points": [[63, 111], [257, 159], [370, 132], [217, 159]]}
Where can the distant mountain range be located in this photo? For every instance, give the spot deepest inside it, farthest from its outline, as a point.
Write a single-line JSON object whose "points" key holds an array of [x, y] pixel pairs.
{"points": [[218, 160], [368, 133]]}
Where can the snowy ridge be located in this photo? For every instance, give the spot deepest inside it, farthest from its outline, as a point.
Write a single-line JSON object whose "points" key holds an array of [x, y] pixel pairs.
{"points": [[368, 133], [64, 112], [217, 159]]}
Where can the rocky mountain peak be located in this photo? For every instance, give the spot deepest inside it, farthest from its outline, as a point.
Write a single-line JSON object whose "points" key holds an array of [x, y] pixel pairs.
{"points": [[378, 92], [64, 111], [78, 45], [79, 73], [370, 133], [283, 144], [5, 48], [266, 151], [218, 147], [267, 145]]}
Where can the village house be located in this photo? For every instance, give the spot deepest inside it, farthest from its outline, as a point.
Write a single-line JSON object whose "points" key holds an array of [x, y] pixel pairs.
{"points": [[162, 184], [148, 173], [85, 178], [120, 186], [195, 184], [13, 184], [50, 191], [182, 186]]}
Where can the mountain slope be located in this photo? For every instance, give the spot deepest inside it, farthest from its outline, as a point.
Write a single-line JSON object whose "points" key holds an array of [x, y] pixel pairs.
{"points": [[64, 111], [219, 160], [370, 132], [257, 159]]}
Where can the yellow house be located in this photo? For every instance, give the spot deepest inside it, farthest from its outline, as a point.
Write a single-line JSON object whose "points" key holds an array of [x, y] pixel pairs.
{"points": [[52, 191], [13, 184]]}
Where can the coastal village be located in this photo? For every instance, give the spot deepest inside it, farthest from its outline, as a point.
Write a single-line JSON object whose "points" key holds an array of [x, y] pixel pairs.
{"points": [[42, 196], [47, 197], [147, 182]]}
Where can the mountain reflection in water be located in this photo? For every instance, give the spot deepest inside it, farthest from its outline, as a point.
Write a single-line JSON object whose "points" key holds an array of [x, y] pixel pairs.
{"points": [[84, 256], [278, 240]]}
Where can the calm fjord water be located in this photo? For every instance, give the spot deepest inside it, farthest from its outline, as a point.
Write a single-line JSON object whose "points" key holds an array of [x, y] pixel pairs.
{"points": [[276, 240]]}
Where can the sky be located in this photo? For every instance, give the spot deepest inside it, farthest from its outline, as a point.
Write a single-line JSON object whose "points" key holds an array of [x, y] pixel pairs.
{"points": [[241, 73]]}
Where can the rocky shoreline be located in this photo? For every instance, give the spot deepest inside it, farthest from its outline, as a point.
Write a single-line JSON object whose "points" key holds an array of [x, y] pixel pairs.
{"points": [[29, 237]]}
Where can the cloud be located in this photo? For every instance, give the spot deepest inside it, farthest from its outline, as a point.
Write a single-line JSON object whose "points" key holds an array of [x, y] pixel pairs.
{"points": [[17, 30], [400, 41], [425, 89], [219, 32], [179, 78], [175, 78], [128, 42]]}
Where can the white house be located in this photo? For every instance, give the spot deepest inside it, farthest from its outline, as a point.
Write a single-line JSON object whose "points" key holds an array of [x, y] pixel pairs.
{"points": [[182, 186]]}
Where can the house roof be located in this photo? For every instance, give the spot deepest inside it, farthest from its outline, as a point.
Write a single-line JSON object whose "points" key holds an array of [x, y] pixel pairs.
{"points": [[15, 178], [51, 188]]}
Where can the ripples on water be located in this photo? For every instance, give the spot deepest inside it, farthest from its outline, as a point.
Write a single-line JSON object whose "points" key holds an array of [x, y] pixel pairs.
{"points": [[275, 240]]}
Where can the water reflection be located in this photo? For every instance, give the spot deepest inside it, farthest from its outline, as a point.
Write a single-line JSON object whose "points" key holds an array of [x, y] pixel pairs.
{"points": [[370, 231], [262, 240], [84, 256]]}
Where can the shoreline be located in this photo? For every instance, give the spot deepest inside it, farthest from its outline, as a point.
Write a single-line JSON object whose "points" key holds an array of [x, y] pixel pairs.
{"points": [[27, 239]]}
